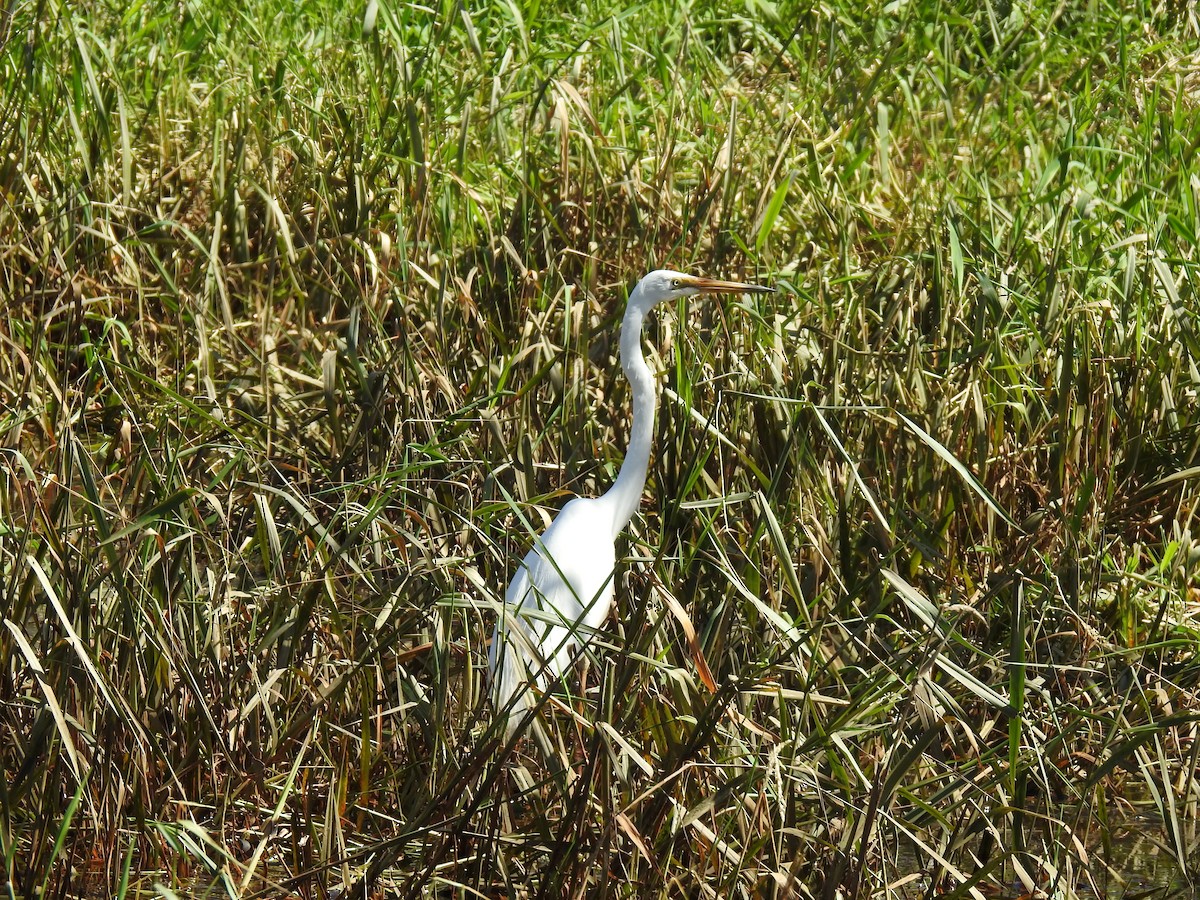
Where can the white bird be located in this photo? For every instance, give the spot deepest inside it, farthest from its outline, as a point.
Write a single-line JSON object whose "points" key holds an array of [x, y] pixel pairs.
{"points": [[563, 590]]}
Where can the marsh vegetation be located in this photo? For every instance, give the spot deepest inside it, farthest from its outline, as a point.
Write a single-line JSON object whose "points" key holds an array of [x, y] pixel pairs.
{"points": [[309, 323]]}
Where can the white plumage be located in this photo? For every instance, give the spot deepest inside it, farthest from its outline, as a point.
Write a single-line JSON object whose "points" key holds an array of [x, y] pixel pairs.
{"points": [[563, 589]]}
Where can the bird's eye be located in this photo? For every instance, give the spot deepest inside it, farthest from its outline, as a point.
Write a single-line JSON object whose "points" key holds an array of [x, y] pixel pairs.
{"points": [[676, 283]]}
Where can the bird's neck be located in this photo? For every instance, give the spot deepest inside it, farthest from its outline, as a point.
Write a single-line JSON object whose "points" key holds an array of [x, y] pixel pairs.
{"points": [[626, 493]]}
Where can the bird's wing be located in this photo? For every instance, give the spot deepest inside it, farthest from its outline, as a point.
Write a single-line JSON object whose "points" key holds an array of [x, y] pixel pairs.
{"points": [[573, 569], [528, 634], [564, 581], [512, 654]]}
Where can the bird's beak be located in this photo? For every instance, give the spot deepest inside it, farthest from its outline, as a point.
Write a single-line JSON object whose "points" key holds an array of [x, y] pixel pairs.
{"points": [[712, 286]]}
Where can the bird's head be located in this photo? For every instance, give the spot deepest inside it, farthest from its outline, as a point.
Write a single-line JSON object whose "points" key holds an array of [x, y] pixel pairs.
{"points": [[663, 285]]}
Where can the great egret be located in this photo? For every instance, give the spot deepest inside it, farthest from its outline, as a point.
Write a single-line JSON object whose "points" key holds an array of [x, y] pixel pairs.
{"points": [[563, 590]]}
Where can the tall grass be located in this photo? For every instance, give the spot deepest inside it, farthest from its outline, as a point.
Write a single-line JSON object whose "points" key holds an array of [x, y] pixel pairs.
{"points": [[310, 319]]}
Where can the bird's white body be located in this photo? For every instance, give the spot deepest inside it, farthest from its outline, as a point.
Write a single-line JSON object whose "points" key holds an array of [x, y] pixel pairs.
{"points": [[556, 589], [563, 590]]}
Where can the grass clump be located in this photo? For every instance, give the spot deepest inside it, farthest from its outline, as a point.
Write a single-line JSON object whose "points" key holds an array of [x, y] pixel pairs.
{"points": [[309, 311]]}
